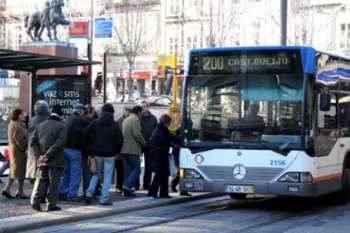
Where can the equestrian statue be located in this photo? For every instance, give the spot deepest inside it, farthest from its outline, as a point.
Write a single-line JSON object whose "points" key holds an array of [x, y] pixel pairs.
{"points": [[51, 16]]}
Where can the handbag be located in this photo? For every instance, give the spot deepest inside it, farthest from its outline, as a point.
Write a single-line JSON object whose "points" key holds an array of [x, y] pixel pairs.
{"points": [[92, 164], [172, 167]]}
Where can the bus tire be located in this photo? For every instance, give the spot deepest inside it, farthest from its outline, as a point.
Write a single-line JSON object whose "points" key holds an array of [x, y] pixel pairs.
{"points": [[342, 197], [239, 196]]}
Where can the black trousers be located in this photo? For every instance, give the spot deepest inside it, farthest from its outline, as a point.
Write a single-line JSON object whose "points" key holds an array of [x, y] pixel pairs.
{"points": [[119, 167], [148, 174], [160, 180], [46, 184], [147, 177]]}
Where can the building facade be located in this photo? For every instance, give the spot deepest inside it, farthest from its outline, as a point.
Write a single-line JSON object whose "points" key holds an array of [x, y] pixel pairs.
{"points": [[176, 26]]}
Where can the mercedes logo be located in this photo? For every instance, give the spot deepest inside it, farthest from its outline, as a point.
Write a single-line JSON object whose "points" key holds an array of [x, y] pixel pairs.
{"points": [[239, 172]]}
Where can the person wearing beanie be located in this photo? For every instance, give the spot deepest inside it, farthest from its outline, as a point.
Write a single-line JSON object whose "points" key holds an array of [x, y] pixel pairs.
{"points": [[41, 109], [105, 140], [73, 153], [47, 142]]}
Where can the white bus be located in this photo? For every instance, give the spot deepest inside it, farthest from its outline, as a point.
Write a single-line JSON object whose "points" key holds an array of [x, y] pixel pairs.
{"points": [[266, 120]]}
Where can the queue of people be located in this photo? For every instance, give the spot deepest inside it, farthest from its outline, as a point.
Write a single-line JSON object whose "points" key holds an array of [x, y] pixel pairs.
{"points": [[56, 153]]}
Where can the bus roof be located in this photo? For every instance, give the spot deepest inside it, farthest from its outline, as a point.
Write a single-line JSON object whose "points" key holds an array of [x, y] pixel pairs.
{"points": [[308, 54], [249, 48], [335, 54]]}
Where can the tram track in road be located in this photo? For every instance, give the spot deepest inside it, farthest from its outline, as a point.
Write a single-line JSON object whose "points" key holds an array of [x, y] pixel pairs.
{"points": [[246, 215], [308, 208], [191, 215]]}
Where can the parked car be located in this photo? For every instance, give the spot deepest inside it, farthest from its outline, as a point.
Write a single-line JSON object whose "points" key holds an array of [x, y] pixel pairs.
{"points": [[163, 100]]}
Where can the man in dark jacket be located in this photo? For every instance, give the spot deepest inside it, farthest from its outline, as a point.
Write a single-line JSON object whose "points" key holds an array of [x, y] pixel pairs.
{"points": [[106, 140], [70, 181], [88, 115], [148, 124], [47, 142]]}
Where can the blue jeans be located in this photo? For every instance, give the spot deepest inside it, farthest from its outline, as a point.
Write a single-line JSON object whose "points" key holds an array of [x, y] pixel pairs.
{"points": [[70, 180], [132, 170], [108, 164], [4, 167]]}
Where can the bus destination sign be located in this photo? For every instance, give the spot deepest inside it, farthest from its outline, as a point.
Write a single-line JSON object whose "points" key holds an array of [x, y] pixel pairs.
{"points": [[237, 62]]}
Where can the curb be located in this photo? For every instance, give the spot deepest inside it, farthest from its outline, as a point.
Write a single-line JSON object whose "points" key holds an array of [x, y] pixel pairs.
{"points": [[40, 220]]}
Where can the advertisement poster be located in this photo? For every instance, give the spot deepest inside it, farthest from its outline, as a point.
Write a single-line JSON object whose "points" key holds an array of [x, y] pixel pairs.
{"points": [[103, 28], [79, 30], [63, 90], [164, 60]]}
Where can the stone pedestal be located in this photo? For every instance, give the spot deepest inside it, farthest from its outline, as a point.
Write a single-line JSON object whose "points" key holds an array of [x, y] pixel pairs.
{"points": [[59, 49]]}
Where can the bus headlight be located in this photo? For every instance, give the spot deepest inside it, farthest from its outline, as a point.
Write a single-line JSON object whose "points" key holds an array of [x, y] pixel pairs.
{"points": [[192, 174], [296, 177]]}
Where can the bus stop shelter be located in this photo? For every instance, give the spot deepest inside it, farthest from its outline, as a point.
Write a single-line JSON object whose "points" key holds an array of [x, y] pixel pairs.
{"points": [[33, 62]]}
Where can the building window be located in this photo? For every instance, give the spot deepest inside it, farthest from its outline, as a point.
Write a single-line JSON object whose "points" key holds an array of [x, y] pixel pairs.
{"points": [[256, 37], [176, 45], [173, 6], [171, 45], [192, 42], [2, 34], [190, 3], [344, 35]]}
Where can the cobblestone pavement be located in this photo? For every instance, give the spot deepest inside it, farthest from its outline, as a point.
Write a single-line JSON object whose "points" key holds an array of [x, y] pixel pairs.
{"points": [[18, 207]]}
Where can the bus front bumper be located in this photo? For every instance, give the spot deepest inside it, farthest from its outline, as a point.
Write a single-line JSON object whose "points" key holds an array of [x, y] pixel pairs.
{"points": [[276, 188]]}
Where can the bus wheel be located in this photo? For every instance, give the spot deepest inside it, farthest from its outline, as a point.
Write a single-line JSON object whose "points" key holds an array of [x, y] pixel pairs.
{"points": [[343, 195], [239, 196]]}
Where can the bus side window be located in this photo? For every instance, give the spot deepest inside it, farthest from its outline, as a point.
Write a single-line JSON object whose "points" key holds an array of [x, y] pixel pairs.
{"points": [[328, 119], [344, 108], [326, 136]]}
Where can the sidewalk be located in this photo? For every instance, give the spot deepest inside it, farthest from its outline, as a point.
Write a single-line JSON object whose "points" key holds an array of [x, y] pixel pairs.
{"points": [[17, 215], [19, 207]]}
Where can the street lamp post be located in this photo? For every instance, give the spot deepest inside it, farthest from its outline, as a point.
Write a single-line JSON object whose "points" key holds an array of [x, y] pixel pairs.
{"points": [[284, 22]]}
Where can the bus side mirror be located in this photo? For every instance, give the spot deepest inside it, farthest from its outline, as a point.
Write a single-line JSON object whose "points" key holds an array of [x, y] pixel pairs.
{"points": [[325, 102]]}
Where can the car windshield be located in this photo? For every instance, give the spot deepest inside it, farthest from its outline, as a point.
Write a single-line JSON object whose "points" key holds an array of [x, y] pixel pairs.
{"points": [[249, 110]]}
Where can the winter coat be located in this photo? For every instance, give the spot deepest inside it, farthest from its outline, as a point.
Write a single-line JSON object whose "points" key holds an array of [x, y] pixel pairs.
{"points": [[86, 150], [148, 124], [75, 126], [133, 139], [31, 159], [105, 136], [49, 139], [161, 140], [18, 143]]}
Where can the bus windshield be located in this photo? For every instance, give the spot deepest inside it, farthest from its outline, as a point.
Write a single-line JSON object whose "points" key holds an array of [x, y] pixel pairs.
{"points": [[243, 110]]}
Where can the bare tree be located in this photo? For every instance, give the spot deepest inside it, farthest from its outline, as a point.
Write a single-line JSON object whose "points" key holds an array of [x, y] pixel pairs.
{"points": [[218, 20], [302, 23], [133, 31]]}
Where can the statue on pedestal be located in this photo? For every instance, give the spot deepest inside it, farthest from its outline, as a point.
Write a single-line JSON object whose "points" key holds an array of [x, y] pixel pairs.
{"points": [[51, 16]]}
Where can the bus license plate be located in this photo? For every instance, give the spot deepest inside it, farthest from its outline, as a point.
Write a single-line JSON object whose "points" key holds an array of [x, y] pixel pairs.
{"points": [[239, 189]]}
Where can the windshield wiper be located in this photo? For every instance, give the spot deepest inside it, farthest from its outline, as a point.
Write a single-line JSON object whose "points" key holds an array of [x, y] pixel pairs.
{"points": [[274, 149]]}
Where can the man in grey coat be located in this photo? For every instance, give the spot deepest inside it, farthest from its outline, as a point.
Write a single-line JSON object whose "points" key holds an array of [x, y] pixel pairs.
{"points": [[41, 109], [48, 141], [132, 149]]}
